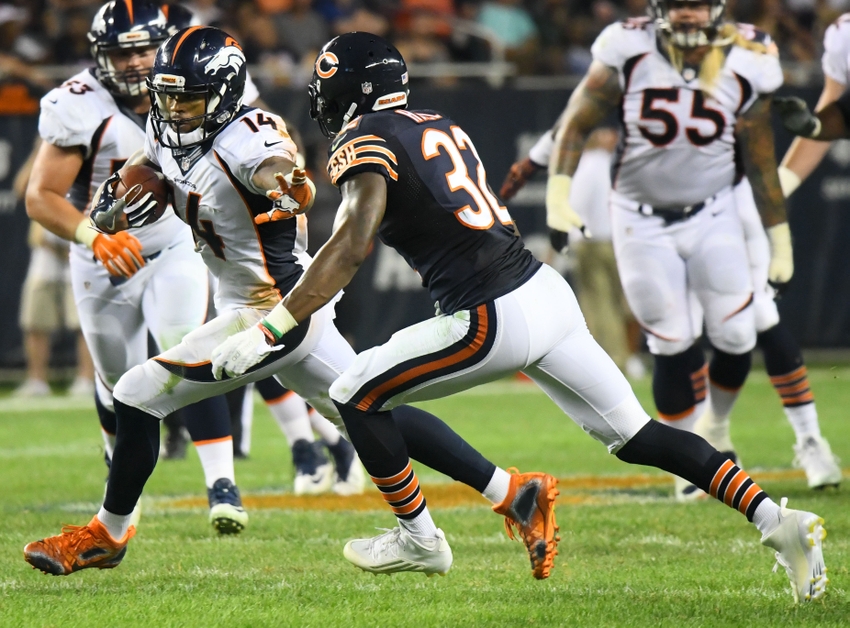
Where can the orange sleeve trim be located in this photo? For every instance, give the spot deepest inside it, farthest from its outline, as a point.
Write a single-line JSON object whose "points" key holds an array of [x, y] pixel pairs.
{"points": [[213, 441]]}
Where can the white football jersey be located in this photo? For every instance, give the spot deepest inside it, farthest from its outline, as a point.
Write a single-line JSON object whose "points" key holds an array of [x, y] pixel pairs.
{"points": [[255, 265], [836, 50], [81, 112], [678, 143]]}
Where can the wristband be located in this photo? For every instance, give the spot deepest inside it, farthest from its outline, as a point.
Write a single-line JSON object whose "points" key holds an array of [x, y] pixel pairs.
{"points": [[85, 233], [788, 180], [278, 322]]}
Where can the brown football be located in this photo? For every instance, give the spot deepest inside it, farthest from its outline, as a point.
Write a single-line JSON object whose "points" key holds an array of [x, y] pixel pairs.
{"points": [[150, 180]]}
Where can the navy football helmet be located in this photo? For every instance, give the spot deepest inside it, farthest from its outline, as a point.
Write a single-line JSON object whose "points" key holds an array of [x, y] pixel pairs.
{"points": [[688, 36], [354, 74], [123, 25], [203, 62], [179, 17]]}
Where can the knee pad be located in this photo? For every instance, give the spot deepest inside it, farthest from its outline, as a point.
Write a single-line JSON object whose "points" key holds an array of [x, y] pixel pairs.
{"points": [[138, 386], [736, 335], [728, 370], [673, 381]]}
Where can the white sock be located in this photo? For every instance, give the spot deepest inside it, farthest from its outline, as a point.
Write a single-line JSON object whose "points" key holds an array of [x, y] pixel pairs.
{"points": [[217, 459], [804, 420], [116, 525], [721, 400], [108, 442], [247, 419], [291, 416], [324, 428], [421, 525], [498, 487], [766, 516]]}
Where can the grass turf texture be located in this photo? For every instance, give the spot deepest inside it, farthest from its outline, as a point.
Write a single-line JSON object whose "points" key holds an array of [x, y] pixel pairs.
{"points": [[629, 555]]}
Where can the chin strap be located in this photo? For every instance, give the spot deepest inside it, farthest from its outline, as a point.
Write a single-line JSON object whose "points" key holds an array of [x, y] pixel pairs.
{"points": [[347, 117]]}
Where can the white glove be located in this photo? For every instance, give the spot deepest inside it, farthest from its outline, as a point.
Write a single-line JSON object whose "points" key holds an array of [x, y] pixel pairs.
{"points": [[240, 352], [781, 267], [559, 214]]}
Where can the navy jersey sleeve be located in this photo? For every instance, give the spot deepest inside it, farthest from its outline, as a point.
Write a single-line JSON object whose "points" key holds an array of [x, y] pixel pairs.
{"points": [[359, 150]]}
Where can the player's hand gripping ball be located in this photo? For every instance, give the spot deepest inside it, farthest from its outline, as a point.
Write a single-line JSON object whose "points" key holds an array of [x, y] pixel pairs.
{"points": [[132, 197]]}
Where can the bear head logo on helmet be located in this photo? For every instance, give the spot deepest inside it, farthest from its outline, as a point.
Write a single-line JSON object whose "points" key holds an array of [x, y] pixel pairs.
{"points": [[196, 86], [356, 73]]}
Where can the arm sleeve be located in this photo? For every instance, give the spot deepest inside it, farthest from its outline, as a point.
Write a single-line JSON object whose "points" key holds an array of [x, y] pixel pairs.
{"points": [[361, 152]]}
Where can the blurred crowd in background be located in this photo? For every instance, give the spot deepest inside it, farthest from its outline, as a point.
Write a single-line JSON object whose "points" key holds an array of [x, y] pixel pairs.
{"points": [[281, 37]]}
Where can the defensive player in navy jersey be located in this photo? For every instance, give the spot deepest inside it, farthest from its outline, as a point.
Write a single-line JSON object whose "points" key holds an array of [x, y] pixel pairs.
{"points": [[415, 180]]}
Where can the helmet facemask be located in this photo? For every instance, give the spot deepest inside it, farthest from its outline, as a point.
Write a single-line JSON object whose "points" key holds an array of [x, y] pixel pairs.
{"points": [[688, 35]]}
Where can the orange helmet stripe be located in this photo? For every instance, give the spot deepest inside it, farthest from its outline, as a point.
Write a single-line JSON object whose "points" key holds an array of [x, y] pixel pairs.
{"points": [[180, 41]]}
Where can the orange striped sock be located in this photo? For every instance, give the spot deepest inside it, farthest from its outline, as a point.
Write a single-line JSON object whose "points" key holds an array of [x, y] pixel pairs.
{"points": [[735, 488], [793, 387], [401, 491]]}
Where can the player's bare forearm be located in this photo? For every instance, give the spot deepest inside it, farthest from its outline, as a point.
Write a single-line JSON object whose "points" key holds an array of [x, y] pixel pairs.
{"points": [[595, 97], [755, 135], [264, 177], [54, 171], [804, 155], [364, 200]]}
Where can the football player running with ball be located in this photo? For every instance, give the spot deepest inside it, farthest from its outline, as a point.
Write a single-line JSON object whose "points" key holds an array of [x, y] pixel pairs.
{"points": [[224, 162], [414, 179], [126, 285]]}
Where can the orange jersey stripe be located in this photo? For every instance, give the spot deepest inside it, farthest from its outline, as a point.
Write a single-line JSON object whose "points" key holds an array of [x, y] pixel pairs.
{"points": [[367, 160], [790, 377], [393, 479], [804, 398], [409, 508], [733, 486], [718, 477], [402, 494], [747, 499], [461, 355]]}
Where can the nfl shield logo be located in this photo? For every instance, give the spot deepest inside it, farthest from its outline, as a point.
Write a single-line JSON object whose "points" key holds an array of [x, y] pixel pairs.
{"points": [[366, 87]]}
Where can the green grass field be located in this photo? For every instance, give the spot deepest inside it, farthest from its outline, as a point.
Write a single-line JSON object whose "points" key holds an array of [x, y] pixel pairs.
{"points": [[629, 555]]}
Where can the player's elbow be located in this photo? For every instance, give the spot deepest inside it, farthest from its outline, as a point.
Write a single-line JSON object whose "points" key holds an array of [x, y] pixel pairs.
{"points": [[35, 202]]}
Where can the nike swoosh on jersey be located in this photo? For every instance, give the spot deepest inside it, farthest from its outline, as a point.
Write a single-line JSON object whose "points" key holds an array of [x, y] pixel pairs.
{"points": [[267, 145]]}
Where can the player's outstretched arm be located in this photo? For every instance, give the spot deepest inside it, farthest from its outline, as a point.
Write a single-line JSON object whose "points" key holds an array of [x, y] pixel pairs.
{"points": [[364, 201], [755, 137], [592, 101], [291, 194], [804, 155], [830, 123]]}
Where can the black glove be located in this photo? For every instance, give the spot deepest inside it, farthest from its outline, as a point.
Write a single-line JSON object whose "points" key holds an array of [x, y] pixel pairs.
{"points": [[796, 116], [560, 241]]}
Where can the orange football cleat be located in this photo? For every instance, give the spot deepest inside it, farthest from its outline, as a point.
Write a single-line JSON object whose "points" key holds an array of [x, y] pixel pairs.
{"points": [[529, 508], [78, 547]]}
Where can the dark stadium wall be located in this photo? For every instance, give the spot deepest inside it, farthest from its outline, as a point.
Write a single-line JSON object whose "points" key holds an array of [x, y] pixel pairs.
{"points": [[386, 296]]}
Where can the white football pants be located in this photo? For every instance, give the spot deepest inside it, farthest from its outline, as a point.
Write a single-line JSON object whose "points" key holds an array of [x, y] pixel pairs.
{"points": [[537, 329]]}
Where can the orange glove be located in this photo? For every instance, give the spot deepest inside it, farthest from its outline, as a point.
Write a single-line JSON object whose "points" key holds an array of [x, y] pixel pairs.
{"points": [[120, 253], [517, 177], [295, 196]]}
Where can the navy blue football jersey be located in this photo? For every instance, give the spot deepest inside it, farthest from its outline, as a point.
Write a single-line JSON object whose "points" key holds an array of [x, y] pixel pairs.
{"points": [[441, 216]]}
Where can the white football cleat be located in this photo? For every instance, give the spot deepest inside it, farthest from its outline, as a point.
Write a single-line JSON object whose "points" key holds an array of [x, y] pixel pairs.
{"points": [[798, 541], [397, 550], [815, 457]]}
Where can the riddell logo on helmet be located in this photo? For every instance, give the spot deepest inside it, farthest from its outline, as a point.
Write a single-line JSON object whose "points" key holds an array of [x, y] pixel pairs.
{"points": [[330, 60]]}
